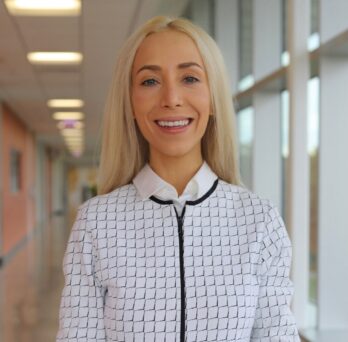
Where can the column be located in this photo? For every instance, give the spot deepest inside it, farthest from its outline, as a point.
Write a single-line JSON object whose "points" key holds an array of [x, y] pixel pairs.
{"points": [[267, 137], [267, 163], [333, 180], [226, 35], [297, 201], [333, 189]]}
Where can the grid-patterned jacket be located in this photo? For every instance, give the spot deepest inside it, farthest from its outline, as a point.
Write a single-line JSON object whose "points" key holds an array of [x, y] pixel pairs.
{"points": [[137, 271]]}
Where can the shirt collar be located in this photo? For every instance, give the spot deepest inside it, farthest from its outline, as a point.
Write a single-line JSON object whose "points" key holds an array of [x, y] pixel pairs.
{"points": [[148, 183]]}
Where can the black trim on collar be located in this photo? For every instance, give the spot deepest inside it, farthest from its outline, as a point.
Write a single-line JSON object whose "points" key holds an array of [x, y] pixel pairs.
{"points": [[159, 201], [199, 200]]}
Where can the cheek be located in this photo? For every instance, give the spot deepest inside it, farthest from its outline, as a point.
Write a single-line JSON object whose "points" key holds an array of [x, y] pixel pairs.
{"points": [[203, 103], [135, 101], [141, 100]]}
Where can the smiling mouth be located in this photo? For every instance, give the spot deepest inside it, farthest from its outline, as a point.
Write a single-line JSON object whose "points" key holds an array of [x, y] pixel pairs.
{"points": [[174, 123]]}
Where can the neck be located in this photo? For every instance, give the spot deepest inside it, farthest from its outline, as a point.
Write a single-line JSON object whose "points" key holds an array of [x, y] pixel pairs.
{"points": [[177, 171]]}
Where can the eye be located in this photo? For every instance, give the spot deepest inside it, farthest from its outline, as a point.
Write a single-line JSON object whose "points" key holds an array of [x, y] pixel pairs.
{"points": [[150, 82], [191, 79]]}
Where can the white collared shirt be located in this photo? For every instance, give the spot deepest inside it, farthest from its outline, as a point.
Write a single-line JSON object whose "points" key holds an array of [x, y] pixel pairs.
{"points": [[148, 183]]}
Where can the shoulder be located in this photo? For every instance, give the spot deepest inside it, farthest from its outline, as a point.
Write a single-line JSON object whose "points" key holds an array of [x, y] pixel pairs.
{"points": [[108, 202], [244, 198], [260, 216], [250, 208]]}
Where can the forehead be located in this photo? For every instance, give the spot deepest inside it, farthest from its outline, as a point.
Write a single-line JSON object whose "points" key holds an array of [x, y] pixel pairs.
{"points": [[166, 48]]}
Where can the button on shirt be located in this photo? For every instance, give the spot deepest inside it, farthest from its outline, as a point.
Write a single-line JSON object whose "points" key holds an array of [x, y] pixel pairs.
{"points": [[148, 183]]}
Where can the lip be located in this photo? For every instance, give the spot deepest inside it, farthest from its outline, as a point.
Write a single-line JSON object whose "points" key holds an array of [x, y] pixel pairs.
{"points": [[174, 130], [174, 118]]}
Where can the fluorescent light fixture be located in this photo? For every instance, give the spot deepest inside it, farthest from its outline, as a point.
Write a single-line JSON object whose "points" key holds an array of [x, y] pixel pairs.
{"points": [[70, 124], [65, 103], [72, 133], [68, 116], [54, 57], [73, 140], [74, 143], [44, 7]]}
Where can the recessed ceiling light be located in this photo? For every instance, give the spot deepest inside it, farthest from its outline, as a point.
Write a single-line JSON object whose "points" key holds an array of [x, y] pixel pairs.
{"points": [[72, 133], [65, 103], [73, 136], [68, 116], [54, 57], [44, 7], [70, 124]]}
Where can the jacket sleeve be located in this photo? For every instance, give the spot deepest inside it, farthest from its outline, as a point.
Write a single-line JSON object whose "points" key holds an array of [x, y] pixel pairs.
{"points": [[274, 321], [82, 303]]}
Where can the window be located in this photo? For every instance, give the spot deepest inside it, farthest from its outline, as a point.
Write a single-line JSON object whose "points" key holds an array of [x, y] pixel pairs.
{"points": [[246, 79], [312, 148], [245, 121], [284, 144], [15, 170]]}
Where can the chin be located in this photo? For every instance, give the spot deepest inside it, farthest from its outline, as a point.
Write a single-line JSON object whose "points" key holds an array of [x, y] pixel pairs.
{"points": [[176, 152]]}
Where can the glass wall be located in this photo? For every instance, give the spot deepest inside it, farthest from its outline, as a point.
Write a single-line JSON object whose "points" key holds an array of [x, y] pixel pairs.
{"points": [[313, 153], [245, 121], [245, 10], [265, 97], [285, 145]]}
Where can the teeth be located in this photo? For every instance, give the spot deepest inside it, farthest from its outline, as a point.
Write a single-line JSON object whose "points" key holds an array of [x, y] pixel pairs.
{"points": [[173, 123]]}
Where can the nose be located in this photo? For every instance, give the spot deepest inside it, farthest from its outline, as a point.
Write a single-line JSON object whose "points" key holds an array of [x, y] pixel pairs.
{"points": [[171, 96]]}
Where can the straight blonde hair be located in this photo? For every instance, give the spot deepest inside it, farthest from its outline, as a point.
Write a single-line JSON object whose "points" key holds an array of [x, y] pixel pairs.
{"points": [[124, 150]]}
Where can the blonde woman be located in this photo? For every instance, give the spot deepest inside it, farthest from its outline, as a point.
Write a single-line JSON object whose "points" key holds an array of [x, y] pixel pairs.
{"points": [[174, 248]]}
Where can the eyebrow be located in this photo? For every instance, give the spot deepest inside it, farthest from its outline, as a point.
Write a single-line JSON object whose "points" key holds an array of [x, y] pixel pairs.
{"points": [[180, 66]]}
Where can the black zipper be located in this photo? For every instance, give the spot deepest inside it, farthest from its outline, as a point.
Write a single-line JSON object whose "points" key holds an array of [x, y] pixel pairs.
{"points": [[182, 272], [181, 250]]}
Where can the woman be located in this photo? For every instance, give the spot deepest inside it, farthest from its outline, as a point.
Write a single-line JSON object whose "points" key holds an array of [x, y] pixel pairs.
{"points": [[173, 248]]}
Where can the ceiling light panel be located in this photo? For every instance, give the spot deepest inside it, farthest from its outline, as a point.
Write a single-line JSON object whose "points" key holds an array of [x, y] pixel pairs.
{"points": [[70, 124], [72, 133], [68, 116], [65, 103], [44, 7], [51, 58]]}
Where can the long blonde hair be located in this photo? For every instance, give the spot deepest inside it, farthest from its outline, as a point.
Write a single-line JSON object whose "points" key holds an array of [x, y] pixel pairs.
{"points": [[125, 151]]}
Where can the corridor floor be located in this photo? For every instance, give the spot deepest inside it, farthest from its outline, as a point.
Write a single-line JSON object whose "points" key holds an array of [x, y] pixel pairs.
{"points": [[30, 287]]}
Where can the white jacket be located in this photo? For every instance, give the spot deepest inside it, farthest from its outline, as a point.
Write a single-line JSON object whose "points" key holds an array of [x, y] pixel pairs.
{"points": [[137, 271]]}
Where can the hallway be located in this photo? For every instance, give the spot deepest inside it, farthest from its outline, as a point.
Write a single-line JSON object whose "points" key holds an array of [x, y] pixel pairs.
{"points": [[31, 285], [287, 68]]}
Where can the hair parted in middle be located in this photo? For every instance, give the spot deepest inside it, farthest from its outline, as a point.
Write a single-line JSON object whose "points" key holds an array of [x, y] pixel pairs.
{"points": [[125, 151]]}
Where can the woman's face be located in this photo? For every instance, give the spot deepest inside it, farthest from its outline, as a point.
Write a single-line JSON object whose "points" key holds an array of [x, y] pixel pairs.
{"points": [[170, 94]]}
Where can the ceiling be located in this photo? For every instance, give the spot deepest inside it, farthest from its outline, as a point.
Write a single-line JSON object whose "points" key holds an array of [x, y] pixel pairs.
{"points": [[98, 33]]}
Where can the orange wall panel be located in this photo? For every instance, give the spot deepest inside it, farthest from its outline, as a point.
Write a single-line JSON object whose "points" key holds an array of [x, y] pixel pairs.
{"points": [[19, 207]]}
